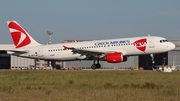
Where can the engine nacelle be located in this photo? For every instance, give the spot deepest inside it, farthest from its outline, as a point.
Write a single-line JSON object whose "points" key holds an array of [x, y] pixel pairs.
{"points": [[115, 57]]}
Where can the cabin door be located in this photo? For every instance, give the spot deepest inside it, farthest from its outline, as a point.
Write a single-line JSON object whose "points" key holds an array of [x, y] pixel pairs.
{"points": [[40, 52], [151, 42]]}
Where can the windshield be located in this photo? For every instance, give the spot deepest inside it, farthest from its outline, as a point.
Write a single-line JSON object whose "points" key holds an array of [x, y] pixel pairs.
{"points": [[164, 40]]}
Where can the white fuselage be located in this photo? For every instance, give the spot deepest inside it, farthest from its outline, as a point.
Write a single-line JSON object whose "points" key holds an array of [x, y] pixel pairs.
{"points": [[127, 46]]}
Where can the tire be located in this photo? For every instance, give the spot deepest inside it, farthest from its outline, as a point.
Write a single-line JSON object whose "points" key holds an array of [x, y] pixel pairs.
{"points": [[98, 65], [93, 66]]}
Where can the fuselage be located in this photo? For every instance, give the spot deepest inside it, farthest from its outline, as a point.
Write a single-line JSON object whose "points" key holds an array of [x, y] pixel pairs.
{"points": [[127, 46]]}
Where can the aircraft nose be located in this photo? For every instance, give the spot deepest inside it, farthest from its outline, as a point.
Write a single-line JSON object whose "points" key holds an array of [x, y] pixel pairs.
{"points": [[171, 45]]}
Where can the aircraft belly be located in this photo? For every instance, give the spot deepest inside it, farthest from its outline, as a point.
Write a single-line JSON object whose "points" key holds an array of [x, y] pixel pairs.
{"points": [[62, 57]]}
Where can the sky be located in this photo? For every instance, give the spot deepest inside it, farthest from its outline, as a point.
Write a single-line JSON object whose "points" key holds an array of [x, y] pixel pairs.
{"points": [[91, 19]]}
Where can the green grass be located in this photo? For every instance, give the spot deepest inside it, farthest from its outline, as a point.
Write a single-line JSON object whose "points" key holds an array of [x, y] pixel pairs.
{"points": [[89, 86]]}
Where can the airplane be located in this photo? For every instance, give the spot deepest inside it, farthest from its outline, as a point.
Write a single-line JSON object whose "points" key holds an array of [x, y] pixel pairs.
{"points": [[110, 50]]}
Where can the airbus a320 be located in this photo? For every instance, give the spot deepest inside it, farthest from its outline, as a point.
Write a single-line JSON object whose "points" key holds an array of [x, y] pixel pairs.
{"points": [[110, 50]]}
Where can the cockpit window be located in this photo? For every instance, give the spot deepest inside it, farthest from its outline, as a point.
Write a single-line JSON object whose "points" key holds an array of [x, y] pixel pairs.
{"points": [[161, 41]]}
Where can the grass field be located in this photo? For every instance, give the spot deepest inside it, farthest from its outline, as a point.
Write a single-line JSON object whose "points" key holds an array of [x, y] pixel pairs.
{"points": [[89, 86]]}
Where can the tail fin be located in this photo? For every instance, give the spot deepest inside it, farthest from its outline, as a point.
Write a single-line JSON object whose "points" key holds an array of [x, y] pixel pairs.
{"points": [[20, 37]]}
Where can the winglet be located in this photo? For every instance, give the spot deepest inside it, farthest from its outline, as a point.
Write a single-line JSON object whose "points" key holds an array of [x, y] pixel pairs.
{"points": [[65, 47]]}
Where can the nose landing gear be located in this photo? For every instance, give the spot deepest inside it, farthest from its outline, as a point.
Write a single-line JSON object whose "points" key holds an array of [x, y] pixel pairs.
{"points": [[153, 62]]}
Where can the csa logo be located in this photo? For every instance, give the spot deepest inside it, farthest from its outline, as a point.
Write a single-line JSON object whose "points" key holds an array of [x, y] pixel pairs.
{"points": [[140, 44], [19, 36]]}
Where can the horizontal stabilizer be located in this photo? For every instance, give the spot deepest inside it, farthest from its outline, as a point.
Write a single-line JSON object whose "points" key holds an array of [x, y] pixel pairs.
{"points": [[16, 52]]}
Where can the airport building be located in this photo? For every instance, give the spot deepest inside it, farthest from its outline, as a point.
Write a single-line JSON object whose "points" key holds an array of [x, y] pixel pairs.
{"points": [[144, 61], [9, 61]]}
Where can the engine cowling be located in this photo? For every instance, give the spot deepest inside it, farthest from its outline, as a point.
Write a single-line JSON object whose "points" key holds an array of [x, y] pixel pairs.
{"points": [[115, 57]]}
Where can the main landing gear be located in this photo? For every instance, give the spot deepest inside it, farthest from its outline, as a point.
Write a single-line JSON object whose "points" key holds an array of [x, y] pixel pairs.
{"points": [[95, 66]]}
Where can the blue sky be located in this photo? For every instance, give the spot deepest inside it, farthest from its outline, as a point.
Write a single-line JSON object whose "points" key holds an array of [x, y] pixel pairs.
{"points": [[91, 19]]}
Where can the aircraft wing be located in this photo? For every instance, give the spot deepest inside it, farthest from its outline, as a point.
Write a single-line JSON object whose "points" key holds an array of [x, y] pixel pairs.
{"points": [[93, 53]]}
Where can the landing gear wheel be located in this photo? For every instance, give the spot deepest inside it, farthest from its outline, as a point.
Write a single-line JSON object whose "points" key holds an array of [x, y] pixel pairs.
{"points": [[93, 66], [98, 65]]}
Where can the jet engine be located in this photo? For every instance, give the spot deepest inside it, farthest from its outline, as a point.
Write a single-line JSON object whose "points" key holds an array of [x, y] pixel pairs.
{"points": [[115, 57]]}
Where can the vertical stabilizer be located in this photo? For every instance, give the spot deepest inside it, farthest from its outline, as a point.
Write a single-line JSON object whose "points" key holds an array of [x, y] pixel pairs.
{"points": [[19, 36]]}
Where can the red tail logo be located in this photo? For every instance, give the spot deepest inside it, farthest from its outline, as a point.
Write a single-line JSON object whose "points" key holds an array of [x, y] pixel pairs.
{"points": [[140, 44], [19, 35]]}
